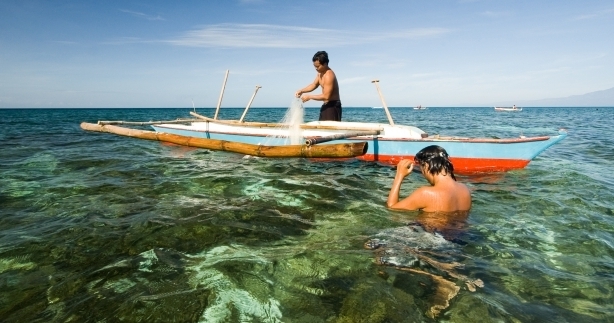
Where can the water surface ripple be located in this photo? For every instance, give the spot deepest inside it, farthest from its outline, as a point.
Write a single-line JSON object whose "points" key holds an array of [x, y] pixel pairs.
{"points": [[96, 227]]}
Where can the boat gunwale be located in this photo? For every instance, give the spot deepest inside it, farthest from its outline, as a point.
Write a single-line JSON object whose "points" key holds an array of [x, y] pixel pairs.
{"points": [[203, 119], [427, 139]]}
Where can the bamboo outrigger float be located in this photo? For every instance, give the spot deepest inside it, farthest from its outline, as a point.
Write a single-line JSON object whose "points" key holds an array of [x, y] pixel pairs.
{"points": [[343, 150]]}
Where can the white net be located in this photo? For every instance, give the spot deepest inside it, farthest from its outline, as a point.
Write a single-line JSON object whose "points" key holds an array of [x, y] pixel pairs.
{"points": [[290, 125]]}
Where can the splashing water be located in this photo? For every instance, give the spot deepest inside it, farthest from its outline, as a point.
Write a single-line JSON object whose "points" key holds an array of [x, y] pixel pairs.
{"points": [[292, 121]]}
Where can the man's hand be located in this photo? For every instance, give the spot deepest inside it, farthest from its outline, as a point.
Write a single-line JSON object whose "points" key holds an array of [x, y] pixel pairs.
{"points": [[405, 167]]}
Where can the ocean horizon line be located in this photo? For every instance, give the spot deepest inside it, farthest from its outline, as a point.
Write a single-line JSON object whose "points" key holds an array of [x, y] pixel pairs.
{"points": [[242, 108]]}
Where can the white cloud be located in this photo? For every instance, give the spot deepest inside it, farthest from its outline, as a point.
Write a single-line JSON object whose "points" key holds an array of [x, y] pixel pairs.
{"points": [[65, 42], [548, 71], [142, 15], [350, 80], [495, 14], [276, 36], [594, 15]]}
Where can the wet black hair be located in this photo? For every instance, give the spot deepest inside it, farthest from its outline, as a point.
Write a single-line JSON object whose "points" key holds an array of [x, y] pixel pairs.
{"points": [[437, 160], [321, 57]]}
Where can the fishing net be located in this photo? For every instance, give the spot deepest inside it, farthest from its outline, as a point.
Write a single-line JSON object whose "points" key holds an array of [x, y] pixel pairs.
{"points": [[289, 128]]}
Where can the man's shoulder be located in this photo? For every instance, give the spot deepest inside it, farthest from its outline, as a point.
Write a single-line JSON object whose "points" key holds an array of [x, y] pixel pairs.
{"points": [[423, 190], [330, 73], [463, 186]]}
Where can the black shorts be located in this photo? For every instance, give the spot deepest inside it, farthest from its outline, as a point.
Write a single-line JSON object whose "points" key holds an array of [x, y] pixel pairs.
{"points": [[331, 110]]}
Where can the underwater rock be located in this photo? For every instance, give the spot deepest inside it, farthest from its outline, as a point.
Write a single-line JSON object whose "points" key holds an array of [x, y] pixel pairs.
{"points": [[375, 303]]}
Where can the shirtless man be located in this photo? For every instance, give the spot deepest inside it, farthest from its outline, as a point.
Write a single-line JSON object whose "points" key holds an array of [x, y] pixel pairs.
{"points": [[443, 202], [444, 195], [331, 109]]}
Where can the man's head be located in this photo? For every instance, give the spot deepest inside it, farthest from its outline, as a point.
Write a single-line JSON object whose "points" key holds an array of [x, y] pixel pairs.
{"points": [[435, 160], [321, 57], [320, 61]]}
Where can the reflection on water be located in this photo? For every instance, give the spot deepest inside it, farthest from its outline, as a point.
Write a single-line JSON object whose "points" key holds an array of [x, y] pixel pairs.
{"points": [[100, 228]]}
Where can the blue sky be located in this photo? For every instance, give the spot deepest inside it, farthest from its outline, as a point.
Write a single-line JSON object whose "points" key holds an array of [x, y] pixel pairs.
{"points": [[168, 53]]}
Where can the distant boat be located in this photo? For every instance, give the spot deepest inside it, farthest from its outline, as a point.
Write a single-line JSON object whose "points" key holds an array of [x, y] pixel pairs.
{"points": [[419, 108], [378, 107], [513, 108]]}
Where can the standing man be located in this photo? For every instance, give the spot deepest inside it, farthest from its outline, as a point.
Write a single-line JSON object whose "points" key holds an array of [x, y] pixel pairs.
{"points": [[326, 78]]}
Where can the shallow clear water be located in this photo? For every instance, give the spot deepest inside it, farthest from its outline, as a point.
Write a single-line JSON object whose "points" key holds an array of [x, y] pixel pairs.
{"points": [[96, 227]]}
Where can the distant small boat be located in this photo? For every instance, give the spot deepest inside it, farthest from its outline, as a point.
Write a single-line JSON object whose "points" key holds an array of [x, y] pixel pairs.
{"points": [[419, 108], [514, 108], [378, 107]]}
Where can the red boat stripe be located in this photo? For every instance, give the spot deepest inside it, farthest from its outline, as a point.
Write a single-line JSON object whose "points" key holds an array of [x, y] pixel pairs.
{"points": [[461, 165]]}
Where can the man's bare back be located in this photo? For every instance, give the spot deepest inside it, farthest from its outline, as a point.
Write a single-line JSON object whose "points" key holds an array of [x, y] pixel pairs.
{"points": [[444, 194]]}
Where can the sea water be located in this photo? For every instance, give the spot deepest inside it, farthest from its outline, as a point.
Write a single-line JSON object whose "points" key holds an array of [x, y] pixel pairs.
{"points": [[101, 228]]}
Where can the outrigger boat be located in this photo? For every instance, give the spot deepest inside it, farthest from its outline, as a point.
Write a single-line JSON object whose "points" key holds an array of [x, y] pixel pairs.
{"points": [[388, 144], [370, 142]]}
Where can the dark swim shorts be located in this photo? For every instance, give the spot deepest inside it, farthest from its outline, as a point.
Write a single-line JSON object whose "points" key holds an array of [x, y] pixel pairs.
{"points": [[331, 110]]}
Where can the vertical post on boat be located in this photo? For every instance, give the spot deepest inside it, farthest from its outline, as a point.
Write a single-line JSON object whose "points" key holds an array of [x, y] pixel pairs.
{"points": [[383, 102], [219, 101], [249, 103]]}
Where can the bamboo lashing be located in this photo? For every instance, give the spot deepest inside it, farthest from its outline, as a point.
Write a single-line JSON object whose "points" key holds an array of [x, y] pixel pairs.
{"points": [[344, 150], [219, 101], [249, 103], [319, 140], [376, 82]]}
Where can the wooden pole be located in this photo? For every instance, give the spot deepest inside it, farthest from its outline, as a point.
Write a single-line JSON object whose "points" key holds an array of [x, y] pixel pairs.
{"points": [[291, 151], [249, 103], [219, 101], [383, 102], [313, 141], [147, 122], [202, 117]]}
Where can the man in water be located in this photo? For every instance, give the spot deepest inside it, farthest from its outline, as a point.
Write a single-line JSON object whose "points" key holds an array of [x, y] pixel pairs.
{"points": [[411, 248], [326, 78], [444, 194]]}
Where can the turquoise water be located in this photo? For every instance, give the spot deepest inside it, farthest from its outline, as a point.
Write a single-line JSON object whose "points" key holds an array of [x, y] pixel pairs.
{"points": [[101, 228]]}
